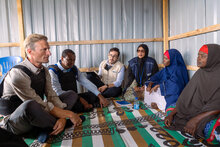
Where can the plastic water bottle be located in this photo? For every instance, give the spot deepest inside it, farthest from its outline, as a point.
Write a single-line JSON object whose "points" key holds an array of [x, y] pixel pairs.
{"points": [[136, 103]]}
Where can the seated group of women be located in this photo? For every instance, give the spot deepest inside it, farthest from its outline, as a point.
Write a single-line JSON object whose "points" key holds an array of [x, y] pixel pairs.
{"points": [[191, 106]]}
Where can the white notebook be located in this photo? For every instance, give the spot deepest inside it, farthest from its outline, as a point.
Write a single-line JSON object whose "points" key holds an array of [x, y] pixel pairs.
{"points": [[155, 97]]}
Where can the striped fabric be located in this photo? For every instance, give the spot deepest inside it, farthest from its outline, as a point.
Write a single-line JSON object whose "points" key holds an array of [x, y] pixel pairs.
{"points": [[120, 127]]}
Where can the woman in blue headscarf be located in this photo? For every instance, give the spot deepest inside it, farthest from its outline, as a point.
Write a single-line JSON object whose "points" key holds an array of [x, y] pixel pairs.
{"points": [[172, 79]]}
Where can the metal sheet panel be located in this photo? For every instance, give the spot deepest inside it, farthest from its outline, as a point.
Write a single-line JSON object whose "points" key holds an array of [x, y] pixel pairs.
{"points": [[73, 20], [9, 27], [190, 15], [69, 20]]}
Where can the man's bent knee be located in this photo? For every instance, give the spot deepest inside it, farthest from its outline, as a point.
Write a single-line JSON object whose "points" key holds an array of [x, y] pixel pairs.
{"points": [[31, 106]]}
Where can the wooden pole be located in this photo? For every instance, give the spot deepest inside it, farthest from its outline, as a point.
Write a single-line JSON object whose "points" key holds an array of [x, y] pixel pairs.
{"points": [[15, 44], [21, 27], [165, 25], [83, 42], [196, 32]]}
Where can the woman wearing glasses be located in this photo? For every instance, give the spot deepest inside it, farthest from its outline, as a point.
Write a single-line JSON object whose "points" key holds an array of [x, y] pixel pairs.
{"points": [[140, 68]]}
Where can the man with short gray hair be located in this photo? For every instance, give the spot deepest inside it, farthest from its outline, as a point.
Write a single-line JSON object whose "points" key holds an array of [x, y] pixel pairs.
{"points": [[27, 85]]}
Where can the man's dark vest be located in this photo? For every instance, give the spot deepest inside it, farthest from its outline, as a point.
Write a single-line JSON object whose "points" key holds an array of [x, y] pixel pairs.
{"points": [[67, 79], [38, 83]]}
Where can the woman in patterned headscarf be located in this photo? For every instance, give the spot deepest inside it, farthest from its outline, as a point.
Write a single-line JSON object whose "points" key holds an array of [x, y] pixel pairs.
{"points": [[197, 110]]}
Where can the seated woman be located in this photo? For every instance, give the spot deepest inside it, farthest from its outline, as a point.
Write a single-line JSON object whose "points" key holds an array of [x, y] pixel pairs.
{"points": [[171, 80], [139, 70], [197, 110]]}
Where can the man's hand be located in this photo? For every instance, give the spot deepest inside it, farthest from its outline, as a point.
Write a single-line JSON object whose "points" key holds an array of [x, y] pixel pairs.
{"points": [[60, 113], [103, 101], [59, 126], [75, 119], [102, 88]]}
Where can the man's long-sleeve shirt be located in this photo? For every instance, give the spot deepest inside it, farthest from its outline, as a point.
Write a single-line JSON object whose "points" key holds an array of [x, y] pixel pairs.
{"points": [[18, 83], [81, 79]]}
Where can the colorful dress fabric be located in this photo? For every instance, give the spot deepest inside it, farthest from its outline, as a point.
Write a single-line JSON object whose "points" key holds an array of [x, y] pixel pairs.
{"points": [[170, 109], [209, 130]]}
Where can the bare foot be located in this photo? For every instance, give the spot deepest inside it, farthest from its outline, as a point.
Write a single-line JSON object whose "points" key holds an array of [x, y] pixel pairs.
{"points": [[85, 104], [89, 106]]}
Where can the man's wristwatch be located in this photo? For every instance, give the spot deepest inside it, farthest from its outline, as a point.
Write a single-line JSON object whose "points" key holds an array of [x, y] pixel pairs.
{"points": [[107, 85]]}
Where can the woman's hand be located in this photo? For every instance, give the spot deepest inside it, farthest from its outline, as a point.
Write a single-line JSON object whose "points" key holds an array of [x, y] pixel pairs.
{"points": [[136, 88], [168, 120], [141, 88], [149, 86], [155, 88]]}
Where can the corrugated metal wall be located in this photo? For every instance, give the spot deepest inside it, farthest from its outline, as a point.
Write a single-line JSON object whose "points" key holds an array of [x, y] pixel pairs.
{"points": [[189, 15], [9, 27], [73, 20]]}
